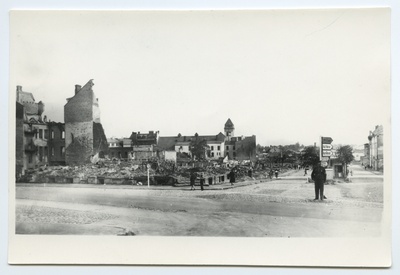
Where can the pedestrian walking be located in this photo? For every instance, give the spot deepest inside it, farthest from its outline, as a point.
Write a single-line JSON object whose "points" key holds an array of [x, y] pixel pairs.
{"points": [[192, 181], [318, 175], [232, 176], [202, 180], [276, 173], [250, 172], [305, 171]]}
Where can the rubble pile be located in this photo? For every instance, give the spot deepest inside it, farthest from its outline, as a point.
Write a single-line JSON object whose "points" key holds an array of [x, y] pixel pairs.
{"points": [[129, 172]]}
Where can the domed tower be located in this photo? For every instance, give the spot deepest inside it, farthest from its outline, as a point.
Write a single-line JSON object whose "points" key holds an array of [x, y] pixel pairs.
{"points": [[229, 129]]}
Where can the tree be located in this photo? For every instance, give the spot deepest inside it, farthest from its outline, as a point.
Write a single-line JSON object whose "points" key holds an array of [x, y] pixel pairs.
{"points": [[198, 148], [309, 156], [345, 154]]}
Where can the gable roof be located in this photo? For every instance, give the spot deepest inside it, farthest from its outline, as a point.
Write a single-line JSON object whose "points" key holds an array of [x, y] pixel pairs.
{"points": [[25, 97]]}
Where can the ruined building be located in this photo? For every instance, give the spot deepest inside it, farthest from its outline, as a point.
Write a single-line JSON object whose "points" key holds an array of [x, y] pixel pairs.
{"points": [[31, 133], [56, 143], [84, 134]]}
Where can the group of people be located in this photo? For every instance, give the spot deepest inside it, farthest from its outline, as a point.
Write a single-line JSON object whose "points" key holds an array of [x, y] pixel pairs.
{"points": [[193, 178], [318, 175]]}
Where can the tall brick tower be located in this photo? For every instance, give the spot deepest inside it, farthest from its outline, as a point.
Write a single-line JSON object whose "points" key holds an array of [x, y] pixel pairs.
{"points": [[84, 134]]}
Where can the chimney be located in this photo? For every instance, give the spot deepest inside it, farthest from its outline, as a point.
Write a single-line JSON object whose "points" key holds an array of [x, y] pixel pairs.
{"points": [[77, 88], [19, 88]]}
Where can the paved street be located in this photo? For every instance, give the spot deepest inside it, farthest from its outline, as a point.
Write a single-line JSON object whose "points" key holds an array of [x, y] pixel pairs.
{"points": [[282, 207]]}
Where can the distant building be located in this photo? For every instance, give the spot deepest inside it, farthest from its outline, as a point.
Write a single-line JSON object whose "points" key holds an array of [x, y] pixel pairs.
{"points": [[375, 138], [219, 146], [139, 146], [358, 154], [149, 138], [84, 134]]}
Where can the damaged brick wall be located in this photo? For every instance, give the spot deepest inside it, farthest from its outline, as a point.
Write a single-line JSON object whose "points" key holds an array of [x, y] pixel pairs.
{"points": [[84, 135], [100, 144], [78, 142]]}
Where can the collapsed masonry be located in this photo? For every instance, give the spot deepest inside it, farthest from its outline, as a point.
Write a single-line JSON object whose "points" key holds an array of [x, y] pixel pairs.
{"points": [[128, 172], [84, 134]]}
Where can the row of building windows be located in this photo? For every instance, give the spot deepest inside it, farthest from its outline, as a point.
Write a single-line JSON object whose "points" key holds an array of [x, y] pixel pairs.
{"points": [[44, 134], [219, 148], [218, 154]]}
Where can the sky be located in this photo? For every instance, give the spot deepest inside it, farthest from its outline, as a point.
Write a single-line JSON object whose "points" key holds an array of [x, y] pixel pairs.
{"points": [[285, 76]]}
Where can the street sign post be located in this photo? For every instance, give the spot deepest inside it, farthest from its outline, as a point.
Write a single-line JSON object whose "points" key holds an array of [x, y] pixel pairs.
{"points": [[327, 140], [326, 153], [327, 146]]}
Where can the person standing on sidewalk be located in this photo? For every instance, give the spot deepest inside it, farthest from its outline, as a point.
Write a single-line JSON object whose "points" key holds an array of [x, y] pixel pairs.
{"points": [[192, 181], [318, 175], [202, 180], [232, 176]]}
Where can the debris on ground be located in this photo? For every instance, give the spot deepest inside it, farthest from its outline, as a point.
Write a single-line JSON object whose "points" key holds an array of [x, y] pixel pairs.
{"points": [[104, 171]]}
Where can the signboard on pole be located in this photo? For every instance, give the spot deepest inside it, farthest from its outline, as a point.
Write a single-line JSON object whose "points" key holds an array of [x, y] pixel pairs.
{"points": [[326, 147], [325, 151], [327, 140]]}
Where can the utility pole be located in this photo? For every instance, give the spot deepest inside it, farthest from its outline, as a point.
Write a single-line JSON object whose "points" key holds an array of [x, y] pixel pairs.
{"points": [[148, 175]]}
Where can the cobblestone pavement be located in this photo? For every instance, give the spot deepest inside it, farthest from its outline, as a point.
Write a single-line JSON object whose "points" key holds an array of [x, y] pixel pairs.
{"points": [[41, 214], [172, 211]]}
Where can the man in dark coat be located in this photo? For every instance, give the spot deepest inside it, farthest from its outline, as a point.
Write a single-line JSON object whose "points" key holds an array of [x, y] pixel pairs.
{"points": [[192, 180], [318, 175], [232, 176], [202, 180]]}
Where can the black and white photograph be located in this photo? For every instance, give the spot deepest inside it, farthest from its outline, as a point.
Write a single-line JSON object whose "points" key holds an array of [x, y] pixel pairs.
{"points": [[241, 133]]}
